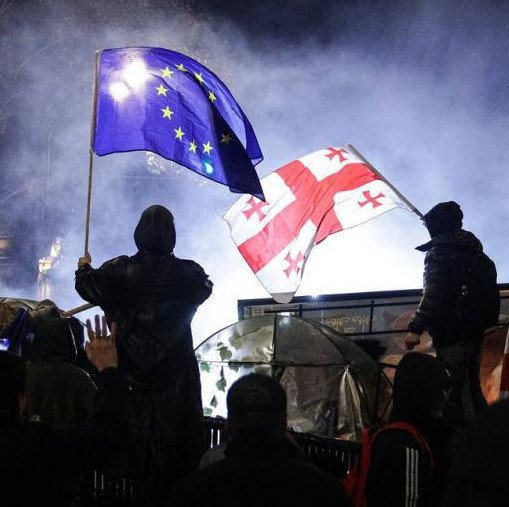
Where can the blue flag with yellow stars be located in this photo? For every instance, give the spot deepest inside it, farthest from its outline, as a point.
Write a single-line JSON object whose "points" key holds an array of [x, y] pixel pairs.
{"points": [[157, 100]]}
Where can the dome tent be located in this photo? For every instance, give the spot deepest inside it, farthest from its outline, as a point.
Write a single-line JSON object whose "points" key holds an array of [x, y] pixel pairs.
{"points": [[332, 385]]}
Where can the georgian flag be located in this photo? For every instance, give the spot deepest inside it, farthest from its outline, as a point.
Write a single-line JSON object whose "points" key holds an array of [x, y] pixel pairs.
{"points": [[316, 195]]}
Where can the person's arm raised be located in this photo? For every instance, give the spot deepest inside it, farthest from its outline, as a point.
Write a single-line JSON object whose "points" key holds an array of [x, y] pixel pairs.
{"points": [[101, 348]]}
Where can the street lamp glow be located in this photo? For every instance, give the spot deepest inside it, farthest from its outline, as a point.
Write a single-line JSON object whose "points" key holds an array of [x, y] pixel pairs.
{"points": [[119, 91], [135, 74]]}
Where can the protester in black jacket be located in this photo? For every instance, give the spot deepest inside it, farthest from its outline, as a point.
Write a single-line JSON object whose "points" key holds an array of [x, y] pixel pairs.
{"points": [[35, 460], [59, 393], [263, 466], [153, 297], [405, 471], [457, 345]]}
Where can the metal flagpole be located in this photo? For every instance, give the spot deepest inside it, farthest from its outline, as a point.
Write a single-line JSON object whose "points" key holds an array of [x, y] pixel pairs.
{"points": [[91, 149], [395, 190]]}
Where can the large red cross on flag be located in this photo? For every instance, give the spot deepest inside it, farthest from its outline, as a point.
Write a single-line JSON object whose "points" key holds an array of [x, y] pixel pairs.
{"points": [[319, 194]]}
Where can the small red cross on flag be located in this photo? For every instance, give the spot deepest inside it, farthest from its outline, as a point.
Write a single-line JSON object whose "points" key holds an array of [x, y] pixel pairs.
{"points": [[308, 199]]}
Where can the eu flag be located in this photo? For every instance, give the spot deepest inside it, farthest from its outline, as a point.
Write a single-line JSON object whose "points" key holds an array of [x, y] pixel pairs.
{"points": [[157, 100]]}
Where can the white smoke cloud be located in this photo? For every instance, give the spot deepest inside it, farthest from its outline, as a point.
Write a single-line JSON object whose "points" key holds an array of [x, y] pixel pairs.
{"points": [[421, 98]]}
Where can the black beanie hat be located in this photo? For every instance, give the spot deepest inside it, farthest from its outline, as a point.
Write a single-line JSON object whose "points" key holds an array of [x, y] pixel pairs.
{"points": [[444, 217]]}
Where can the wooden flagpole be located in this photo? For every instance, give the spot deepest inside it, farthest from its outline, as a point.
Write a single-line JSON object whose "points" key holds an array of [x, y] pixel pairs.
{"points": [[78, 309], [382, 177], [91, 149]]}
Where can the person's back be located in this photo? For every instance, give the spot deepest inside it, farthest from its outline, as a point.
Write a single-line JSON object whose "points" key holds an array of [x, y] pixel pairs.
{"points": [[153, 297], [407, 469], [35, 460], [262, 465], [59, 393]]}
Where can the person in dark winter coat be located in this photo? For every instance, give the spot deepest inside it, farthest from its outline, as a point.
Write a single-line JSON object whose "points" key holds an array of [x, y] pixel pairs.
{"points": [[263, 466], [403, 471], [479, 471], [36, 460], [458, 346], [153, 297], [59, 393]]}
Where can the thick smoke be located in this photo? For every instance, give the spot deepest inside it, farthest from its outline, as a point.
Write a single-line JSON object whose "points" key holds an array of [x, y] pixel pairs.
{"points": [[420, 90]]}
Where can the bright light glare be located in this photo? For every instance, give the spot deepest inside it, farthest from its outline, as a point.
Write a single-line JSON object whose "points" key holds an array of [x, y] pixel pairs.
{"points": [[209, 168], [136, 74], [119, 91]]}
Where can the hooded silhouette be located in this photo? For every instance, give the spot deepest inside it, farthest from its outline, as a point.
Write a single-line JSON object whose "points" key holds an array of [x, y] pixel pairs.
{"points": [[153, 296], [402, 470]]}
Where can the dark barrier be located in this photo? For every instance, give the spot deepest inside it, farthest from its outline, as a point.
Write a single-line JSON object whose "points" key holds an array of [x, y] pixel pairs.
{"points": [[333, 456]]}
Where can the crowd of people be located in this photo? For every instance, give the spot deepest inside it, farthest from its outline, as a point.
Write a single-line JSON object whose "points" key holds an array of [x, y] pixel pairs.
{"points": [[128, 399]]}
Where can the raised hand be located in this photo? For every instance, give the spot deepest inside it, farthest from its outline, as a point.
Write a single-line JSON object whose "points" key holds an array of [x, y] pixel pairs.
{"points": [[101, 348], [412, 340]]}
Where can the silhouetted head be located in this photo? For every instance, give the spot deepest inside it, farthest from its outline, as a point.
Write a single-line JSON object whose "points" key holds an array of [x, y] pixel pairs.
{"points": [[53, 341], [444, 217], [256, 401], [7, 315], [12, 381], [420, 387], [155, 232]]}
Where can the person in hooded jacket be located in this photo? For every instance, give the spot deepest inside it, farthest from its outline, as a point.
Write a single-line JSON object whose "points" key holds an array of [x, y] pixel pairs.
{"points": [[458, 346], [37, 460], [404, 471], [59, 393], [153, 297]]}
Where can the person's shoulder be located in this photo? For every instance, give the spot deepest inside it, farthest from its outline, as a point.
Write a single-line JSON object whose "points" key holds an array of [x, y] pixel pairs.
{"points": [[196, 482], [189, 265], [187, 262], [116, 265], [121, 260], [310, 477], [393, 439]]}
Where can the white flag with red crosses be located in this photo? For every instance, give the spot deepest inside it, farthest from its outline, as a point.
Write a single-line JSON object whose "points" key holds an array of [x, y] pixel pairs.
{"points": [[316, 195]]}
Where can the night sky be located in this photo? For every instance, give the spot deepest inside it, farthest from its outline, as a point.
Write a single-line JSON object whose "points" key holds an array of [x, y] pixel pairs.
{"points": [[420, 88]]}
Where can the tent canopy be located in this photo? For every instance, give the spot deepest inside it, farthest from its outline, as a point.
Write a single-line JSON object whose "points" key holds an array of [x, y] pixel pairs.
{"points": [[334, 388]]}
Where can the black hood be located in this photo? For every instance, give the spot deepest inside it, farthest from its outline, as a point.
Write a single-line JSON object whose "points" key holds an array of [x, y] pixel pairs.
{"points": [[53, 341], [155, 232], [444, 217], [419, 379]]}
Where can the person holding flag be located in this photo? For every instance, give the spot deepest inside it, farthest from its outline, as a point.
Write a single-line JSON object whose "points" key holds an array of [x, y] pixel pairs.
{"points": [[153, 296], [460, 301]]}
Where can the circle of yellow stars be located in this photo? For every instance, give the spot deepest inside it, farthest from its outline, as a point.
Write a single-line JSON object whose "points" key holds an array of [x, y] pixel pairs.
{"points": [[167, 73]]}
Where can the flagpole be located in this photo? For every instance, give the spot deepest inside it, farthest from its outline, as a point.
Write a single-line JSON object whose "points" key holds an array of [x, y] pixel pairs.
{"points": [[78, 309], [382, 177], [91, 149]]}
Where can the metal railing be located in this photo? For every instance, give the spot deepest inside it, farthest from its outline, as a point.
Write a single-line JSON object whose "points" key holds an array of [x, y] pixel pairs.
{"points": [[334, 456]]}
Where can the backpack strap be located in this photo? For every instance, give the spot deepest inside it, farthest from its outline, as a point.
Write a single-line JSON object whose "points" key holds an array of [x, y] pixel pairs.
{"points": [[355, 481]]}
